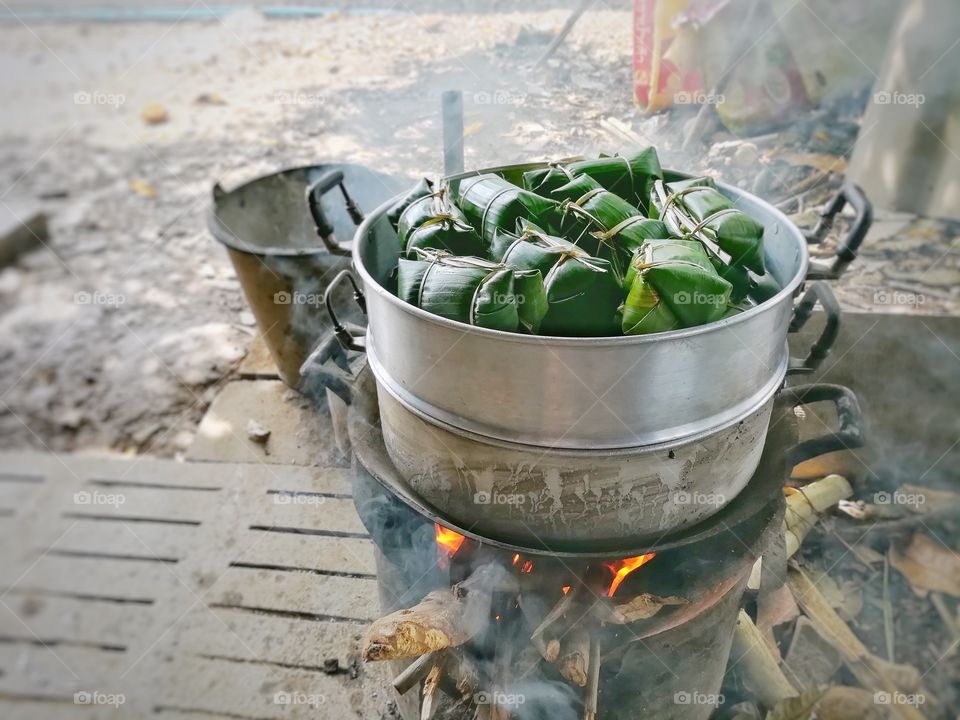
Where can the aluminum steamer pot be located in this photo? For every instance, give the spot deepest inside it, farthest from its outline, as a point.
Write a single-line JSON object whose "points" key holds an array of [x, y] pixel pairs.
{"points": [[575, 502], [596, 393]]}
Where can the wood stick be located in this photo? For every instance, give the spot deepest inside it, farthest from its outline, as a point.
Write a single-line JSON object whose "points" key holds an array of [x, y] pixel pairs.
{"points": [[532, 608], [564, 604], [416, 671], [444, 618], [760, 669], [575, 656], [431, 687], [564, 31], [871, 672], [590, 697]]}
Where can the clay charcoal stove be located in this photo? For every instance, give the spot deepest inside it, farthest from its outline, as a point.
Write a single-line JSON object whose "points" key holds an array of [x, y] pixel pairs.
{"points": [[475, 626]]}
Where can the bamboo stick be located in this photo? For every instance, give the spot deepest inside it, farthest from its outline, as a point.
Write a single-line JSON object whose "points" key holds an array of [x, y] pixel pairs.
{"points": [[759, 667]]}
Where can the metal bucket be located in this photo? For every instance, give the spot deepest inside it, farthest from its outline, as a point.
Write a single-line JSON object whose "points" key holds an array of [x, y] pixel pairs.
{"points": [[281, 232]]}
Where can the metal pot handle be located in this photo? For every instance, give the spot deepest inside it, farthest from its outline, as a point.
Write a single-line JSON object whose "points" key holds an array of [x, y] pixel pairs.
{"points": [[314, 193], [850, 432], [348, 336], [816, 292], [832, 269]]}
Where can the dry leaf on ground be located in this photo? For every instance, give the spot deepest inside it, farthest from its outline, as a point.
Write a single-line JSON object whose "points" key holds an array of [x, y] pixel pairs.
{"points": [[928, 565]]}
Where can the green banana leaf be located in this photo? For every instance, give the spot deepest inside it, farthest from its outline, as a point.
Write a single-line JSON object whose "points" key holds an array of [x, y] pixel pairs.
{"points": [[583, 293], [643, 311], [444, 232], [630, 235], [630, 176], [436, 204], [697, 208], [589, 216], [473, 290], [421, 189], [682, 278], [490, 202]]}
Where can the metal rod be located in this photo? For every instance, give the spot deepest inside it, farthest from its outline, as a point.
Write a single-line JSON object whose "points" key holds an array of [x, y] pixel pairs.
{"points": [[452, 107]]}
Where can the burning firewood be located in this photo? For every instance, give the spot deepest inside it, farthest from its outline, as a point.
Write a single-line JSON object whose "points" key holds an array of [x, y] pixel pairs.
{"points": [[534, 612], [444, 618], [640, 607], [575, 656], [559, 610]]}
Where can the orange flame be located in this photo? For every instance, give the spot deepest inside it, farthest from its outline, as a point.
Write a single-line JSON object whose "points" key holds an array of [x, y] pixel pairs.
{"points": [[622, 568], [566, 589], [516, 558], [448, 539], [527, 567]]}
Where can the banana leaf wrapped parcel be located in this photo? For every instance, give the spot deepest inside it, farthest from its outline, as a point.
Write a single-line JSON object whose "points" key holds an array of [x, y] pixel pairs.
{"points": [[491, 202], [693, 208], [631, 176], [423, 188], [672, 284], [582, 292], [433, 222], [591, 210], [473, 290]]}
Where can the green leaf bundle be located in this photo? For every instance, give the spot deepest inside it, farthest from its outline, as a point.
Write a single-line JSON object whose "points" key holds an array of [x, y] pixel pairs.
{"points": [[583, 293], [490, 203], [473, 290], [672, 284], [631, 176], [697, 209], [423, 188]]}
